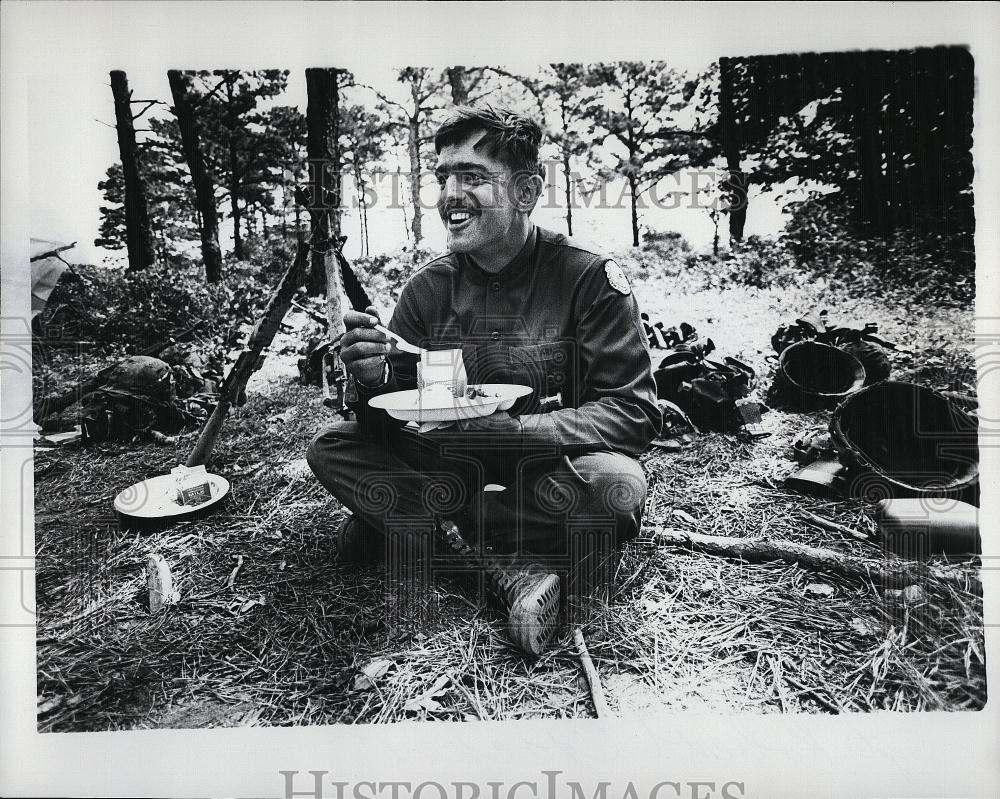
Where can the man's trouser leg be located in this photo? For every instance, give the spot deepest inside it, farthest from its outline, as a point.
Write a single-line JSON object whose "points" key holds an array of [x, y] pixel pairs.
{"points": [[570, 513], [393, 481]]}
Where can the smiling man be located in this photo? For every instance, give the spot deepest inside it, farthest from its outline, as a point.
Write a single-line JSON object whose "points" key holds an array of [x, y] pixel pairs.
{"points": [[526, 306]]}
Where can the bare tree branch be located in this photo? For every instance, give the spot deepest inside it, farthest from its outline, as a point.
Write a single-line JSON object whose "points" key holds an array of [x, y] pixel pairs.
{"points": [[204, 97], [382, 97], [51, 253], [150, 104]]}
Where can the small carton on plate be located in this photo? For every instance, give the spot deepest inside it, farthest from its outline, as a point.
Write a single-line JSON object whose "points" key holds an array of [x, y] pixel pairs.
{"points": [[193, 485]]}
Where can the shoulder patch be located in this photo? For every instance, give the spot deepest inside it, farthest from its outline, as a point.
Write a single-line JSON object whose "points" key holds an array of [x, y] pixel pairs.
{"points": [[616, 277]]}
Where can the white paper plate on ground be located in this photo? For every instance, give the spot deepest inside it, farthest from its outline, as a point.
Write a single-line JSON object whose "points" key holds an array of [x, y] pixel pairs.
{"points": [[155, 500], [440, 406]]}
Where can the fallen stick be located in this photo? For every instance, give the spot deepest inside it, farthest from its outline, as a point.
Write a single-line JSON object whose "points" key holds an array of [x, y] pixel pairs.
{"points": [[232, 577], [761, 550], [593, 679], [834, 527]]}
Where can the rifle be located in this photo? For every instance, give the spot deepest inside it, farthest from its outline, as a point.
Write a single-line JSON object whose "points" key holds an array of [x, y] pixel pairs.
{"points": [[249, 360], [359, 300], [50, 405]]}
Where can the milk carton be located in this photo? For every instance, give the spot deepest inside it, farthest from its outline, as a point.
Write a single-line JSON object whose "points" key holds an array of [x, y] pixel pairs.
{"points": [[193, 485]]}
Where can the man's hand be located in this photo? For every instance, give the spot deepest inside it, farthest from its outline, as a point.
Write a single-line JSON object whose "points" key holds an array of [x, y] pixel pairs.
{"points": [[363, 348], [499, 422]]}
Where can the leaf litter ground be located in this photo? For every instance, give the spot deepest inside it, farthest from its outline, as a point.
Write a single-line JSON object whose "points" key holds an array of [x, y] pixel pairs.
{"points": [[289, 636]]}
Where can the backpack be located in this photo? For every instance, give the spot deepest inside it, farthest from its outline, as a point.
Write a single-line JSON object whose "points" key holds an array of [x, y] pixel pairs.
{"points": [[137, 397]]}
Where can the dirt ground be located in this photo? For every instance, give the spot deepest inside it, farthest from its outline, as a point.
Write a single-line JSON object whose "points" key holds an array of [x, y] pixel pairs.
{"points": [[271, 629]]}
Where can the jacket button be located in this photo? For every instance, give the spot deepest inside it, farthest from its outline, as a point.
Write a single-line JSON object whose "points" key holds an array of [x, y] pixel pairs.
{"points": [[495, 285], [495, 335]]}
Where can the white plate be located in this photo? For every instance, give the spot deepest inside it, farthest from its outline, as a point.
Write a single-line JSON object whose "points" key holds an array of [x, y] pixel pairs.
{"points": [[433, 406], [156, 498]]}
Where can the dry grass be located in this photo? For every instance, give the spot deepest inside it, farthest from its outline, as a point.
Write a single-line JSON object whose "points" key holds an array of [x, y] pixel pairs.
{"points": [[286, 644]]}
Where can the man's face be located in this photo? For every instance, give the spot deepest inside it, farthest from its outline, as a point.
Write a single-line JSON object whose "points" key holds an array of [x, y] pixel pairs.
{"points": [[476, 202]]}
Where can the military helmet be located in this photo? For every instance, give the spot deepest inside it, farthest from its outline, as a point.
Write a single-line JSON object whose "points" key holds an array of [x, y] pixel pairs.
{"points": [[905, 439], [813, 374]]}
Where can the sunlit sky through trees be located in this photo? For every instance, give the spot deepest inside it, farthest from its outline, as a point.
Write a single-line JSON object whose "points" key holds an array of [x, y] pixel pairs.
{"points": [[70, 150]]}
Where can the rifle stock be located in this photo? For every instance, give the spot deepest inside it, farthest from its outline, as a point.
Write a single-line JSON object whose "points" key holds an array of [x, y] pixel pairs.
{"points": [[356, 294]]}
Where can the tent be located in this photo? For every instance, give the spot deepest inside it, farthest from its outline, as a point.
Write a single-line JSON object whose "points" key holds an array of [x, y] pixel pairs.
{"points": [[46, 269]]}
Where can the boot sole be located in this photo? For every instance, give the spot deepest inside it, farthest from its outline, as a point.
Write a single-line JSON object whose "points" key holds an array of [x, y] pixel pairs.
{"points": [[534, 619]]}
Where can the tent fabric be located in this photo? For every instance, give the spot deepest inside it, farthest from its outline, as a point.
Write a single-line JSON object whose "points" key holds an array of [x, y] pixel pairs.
{"points": [[45, 273]]}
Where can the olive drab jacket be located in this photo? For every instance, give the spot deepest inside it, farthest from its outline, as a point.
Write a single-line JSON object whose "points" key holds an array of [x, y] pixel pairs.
{"points": [[560, 318]]}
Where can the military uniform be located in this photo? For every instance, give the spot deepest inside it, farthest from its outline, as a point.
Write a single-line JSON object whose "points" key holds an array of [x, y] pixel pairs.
{"points": [[560, 318]]}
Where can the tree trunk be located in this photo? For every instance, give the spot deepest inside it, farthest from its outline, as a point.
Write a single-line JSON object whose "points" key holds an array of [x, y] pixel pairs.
{"points": [[336, 168], [568, 193], [459, 92], [321, 93], [234, 180], [414, 148], [284, 212], [138, 236], [204, 189], [362, 209], [565, 166], [632, 180], [865, 93], [635, 211], [736, 184]]}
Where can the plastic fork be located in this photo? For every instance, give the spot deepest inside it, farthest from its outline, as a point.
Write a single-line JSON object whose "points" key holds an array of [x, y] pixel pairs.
{"points": [[401, 343]]}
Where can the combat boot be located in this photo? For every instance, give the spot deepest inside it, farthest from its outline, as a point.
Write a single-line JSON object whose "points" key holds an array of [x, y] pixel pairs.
{"points": [[358, 544], [526, 592]]}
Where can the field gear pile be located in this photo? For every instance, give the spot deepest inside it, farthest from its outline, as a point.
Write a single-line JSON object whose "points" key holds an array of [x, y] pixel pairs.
{"points": [[714, 395], [192, 372], [820, 364], [665, 338], [138, 398], [901, 439]]}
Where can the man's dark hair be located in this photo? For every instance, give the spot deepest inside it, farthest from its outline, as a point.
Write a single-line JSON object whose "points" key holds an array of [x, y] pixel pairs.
{"points": [[511, 138]]}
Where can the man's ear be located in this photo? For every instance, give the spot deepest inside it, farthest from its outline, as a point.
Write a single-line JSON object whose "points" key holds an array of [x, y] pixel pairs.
{"points": [[528, 189]]}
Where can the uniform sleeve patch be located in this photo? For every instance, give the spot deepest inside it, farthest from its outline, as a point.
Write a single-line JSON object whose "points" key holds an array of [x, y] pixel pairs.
{"points": [[616, 277]]}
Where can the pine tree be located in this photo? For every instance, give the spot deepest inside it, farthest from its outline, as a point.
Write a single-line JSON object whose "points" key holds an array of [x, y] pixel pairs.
{"points": [[644, 116]]}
